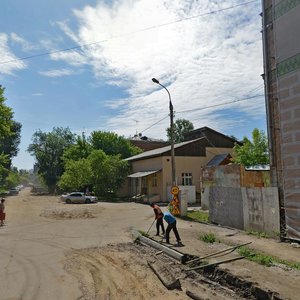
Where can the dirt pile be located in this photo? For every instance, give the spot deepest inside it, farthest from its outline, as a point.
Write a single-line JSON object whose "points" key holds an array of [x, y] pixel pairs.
{"points": [[68, 213], [123, 269]]}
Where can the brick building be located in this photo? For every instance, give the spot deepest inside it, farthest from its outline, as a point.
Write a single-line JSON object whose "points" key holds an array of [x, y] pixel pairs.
{"points": [[281, 43]]}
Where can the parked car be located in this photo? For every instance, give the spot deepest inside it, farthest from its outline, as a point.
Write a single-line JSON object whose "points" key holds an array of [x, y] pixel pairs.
{"points": [[13, 191], [78, 197]]}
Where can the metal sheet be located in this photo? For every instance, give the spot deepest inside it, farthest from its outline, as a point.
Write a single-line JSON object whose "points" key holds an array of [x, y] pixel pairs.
{"points": [[143, 174]]}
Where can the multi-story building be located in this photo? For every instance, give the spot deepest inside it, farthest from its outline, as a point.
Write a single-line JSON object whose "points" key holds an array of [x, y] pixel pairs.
{"points": [[281, 43]]}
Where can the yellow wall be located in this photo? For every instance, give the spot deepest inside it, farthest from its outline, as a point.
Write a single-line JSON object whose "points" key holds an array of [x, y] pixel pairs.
{"points": [[190, 164]]}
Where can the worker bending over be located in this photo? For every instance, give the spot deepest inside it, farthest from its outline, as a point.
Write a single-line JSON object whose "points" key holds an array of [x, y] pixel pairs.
{"points": [[159, 218]]}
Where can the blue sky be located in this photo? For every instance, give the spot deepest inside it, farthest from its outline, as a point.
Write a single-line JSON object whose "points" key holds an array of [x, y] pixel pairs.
{"points": [[205, 52]]}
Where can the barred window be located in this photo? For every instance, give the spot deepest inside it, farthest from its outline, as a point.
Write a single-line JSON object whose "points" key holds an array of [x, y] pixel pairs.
{"points": [[187, 178]]}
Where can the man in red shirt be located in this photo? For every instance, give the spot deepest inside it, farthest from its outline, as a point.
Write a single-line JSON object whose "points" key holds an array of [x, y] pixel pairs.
{"points": [[159, 218]]}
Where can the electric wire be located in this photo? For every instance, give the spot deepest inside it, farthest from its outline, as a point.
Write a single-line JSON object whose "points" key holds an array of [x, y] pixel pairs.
{"points": [[125, 34], [219, 104], [202, 108]]}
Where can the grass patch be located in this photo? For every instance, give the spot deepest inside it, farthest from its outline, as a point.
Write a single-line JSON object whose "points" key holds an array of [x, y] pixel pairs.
{"points": [[265, 260], [208, 238], [258, 234], [143, 233], [197, 216]]}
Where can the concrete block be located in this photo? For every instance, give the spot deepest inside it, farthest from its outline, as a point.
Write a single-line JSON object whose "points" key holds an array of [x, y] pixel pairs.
{"points": [[165, 275], [226, 206]]}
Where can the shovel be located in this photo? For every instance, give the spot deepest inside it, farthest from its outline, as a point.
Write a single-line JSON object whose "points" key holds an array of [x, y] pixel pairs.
{"points": [[150, 226]]}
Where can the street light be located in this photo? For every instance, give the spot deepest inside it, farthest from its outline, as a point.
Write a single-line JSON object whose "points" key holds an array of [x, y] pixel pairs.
{"points": [[171, 132]]}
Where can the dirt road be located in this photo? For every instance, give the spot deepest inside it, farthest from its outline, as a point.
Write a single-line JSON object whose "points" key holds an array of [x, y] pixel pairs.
{"points": [[51, 250]]}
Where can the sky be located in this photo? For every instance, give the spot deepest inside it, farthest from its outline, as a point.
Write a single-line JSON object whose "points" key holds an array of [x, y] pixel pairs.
{"points": [[88, 65]]}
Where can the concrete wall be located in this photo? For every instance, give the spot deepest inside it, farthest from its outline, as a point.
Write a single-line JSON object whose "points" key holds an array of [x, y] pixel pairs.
{"points": [[254, 209], [234, 176], [226, 206], [261, 209], [230, 176]]}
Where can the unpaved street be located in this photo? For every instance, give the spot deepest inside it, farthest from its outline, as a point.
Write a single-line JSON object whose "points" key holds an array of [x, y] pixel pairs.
{"points": [[50, 250]]}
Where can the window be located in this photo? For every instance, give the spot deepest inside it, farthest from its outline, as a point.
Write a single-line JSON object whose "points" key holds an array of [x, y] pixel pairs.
{"points": [[154, 180], [186, 178]]}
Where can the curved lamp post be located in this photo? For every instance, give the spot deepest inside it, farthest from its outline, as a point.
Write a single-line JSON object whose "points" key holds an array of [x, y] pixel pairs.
{"points": [[171, 132]]}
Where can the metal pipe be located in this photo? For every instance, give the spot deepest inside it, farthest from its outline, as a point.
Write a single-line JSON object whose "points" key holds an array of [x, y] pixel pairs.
{"points": [[216, 253], [216, 263], [171, 252]]}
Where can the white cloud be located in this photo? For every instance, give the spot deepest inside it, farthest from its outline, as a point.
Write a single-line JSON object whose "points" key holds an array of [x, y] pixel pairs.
{"points": [[205, 60], [74, 58], [26, 46], [57, 73], [8, 61]]}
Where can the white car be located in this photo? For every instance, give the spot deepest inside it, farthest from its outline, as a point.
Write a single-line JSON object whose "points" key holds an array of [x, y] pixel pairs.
{"points": [[78, 197]]}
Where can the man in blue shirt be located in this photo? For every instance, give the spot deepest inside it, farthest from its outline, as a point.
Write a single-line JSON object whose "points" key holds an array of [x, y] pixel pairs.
{"points": [[170, 219]]}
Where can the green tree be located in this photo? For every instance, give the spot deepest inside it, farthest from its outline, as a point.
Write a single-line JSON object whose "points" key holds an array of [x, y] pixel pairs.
{"points": [[113, 144], [25, 176], [253, 152], [10, 143], [48, 149], [10, 133], [108, 172], [77, 175], [6, 116], [3, 171], [181, 126], [13, 178], [81, 149]]}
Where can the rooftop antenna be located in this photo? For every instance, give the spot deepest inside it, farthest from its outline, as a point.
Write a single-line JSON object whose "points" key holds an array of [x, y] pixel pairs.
{"points": [[136, 121]]}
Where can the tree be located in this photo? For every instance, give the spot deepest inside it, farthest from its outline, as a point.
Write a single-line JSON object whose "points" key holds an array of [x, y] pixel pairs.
{"points": [[6, 116], [109, 172], [77, 175], [10, 133], [48, 149], [13, 178], [10, 143], [113, 144], [253, 153], [81, 149], [181, 126]]}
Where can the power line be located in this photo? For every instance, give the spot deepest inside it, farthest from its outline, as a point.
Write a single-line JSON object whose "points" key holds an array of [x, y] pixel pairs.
{"points": [[155, 123], [219, 104], [126, 34], [202, 108]]}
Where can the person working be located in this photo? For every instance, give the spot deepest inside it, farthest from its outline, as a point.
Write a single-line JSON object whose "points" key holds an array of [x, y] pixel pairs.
{"points": [[159, 218], [170, 219], [2, 213]]}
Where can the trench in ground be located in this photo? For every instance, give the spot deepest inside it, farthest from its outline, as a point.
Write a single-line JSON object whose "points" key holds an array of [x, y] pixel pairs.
{"points": [[222, 280]]}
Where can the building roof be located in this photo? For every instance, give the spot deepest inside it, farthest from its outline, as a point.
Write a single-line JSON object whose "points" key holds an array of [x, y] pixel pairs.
{"points": [[216, 138], [143, 174], [160, 151], [218, 159]]}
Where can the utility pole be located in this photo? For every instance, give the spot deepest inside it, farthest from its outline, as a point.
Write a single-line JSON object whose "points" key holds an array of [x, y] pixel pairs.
{"points": [[171, 133]]}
